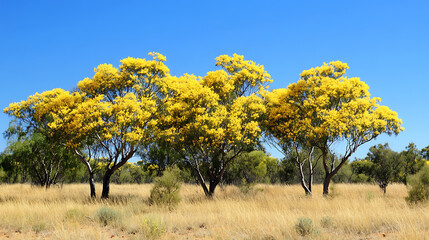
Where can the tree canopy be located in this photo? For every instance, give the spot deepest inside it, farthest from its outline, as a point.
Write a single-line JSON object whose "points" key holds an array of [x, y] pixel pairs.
{"points": [[325, 107], [108, 116], [212, 119]]}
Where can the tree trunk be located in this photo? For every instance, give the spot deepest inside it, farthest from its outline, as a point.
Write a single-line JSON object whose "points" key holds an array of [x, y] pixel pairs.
{"points": [[92, 184], [201, 181], [326, 182], [302, 179], [213, 184], [106, 184], [86, 162]]}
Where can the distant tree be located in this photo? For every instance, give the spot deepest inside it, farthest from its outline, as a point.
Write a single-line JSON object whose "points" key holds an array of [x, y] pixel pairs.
{"points": [[161, 154], [325, 107], [361, 171], [45, 162], [253, 167], [425, 153], [412, 161], [386, 164]]}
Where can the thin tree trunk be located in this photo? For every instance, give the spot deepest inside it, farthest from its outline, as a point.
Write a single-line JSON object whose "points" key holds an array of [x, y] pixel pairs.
{"points": [[201, 181], [90, 172], [92, 184], [302, 179]]}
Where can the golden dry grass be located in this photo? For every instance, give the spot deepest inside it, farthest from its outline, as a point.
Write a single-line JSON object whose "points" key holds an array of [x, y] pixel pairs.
{"points": [[268, 212]]}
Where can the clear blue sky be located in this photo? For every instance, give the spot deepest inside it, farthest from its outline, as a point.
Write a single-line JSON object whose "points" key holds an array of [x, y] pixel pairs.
{"points": [[55, 44]]}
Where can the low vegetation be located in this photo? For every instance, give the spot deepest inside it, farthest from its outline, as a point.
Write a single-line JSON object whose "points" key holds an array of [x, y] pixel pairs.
{"points": [[274, 212]]}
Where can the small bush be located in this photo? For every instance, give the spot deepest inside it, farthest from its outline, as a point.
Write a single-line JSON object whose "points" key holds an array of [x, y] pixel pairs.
{"points": [[153, 228], [419, 190], [166, 189], [107, 216], [304, 226]]}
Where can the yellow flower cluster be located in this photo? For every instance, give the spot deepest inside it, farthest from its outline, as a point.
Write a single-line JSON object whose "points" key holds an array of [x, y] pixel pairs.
{"points": [[210, 112], [135, 74], [245, 75], [115, 105], [325, 104]]}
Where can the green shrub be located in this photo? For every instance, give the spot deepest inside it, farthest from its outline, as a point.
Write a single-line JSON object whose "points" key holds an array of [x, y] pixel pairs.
{"points": [[304, 226], [166, 189], [419, 190], [107, 216]]}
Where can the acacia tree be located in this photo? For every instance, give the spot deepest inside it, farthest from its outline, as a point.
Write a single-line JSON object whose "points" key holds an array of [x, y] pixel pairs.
{"points": [[280, 132], [211, 120], [41, 113], [108, 117], [328, 108]]}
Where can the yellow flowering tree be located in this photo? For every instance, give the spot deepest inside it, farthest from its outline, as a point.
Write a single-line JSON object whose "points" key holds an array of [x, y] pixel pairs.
{"points": [[109, 116], [44, 113], [210, 120], [326, 107]]}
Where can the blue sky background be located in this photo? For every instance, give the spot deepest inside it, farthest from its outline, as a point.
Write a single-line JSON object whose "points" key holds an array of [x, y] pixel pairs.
{"points": [[55, 44]]}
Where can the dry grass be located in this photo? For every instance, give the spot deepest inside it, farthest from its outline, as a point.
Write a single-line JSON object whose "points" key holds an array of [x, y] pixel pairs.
{"points": [[268, 212]]}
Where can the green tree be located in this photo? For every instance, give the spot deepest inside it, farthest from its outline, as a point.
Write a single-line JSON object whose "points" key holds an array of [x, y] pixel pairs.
{"points": [[253, 166], [385, 165], [362, 171], [412, 161], [44, 161]]}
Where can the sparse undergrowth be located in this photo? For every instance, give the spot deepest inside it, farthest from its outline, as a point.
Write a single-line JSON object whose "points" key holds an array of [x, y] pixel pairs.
{"points": [[274, 213]]}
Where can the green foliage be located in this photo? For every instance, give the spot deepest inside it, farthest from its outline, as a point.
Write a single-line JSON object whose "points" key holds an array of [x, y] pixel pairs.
{"points": [[254, 166], [412, 161], [304, 226], [344, 175], [361, 171], [385, 164], [33, 157], [159, 154], [166, 189], [108, 216], [419, 190]]}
